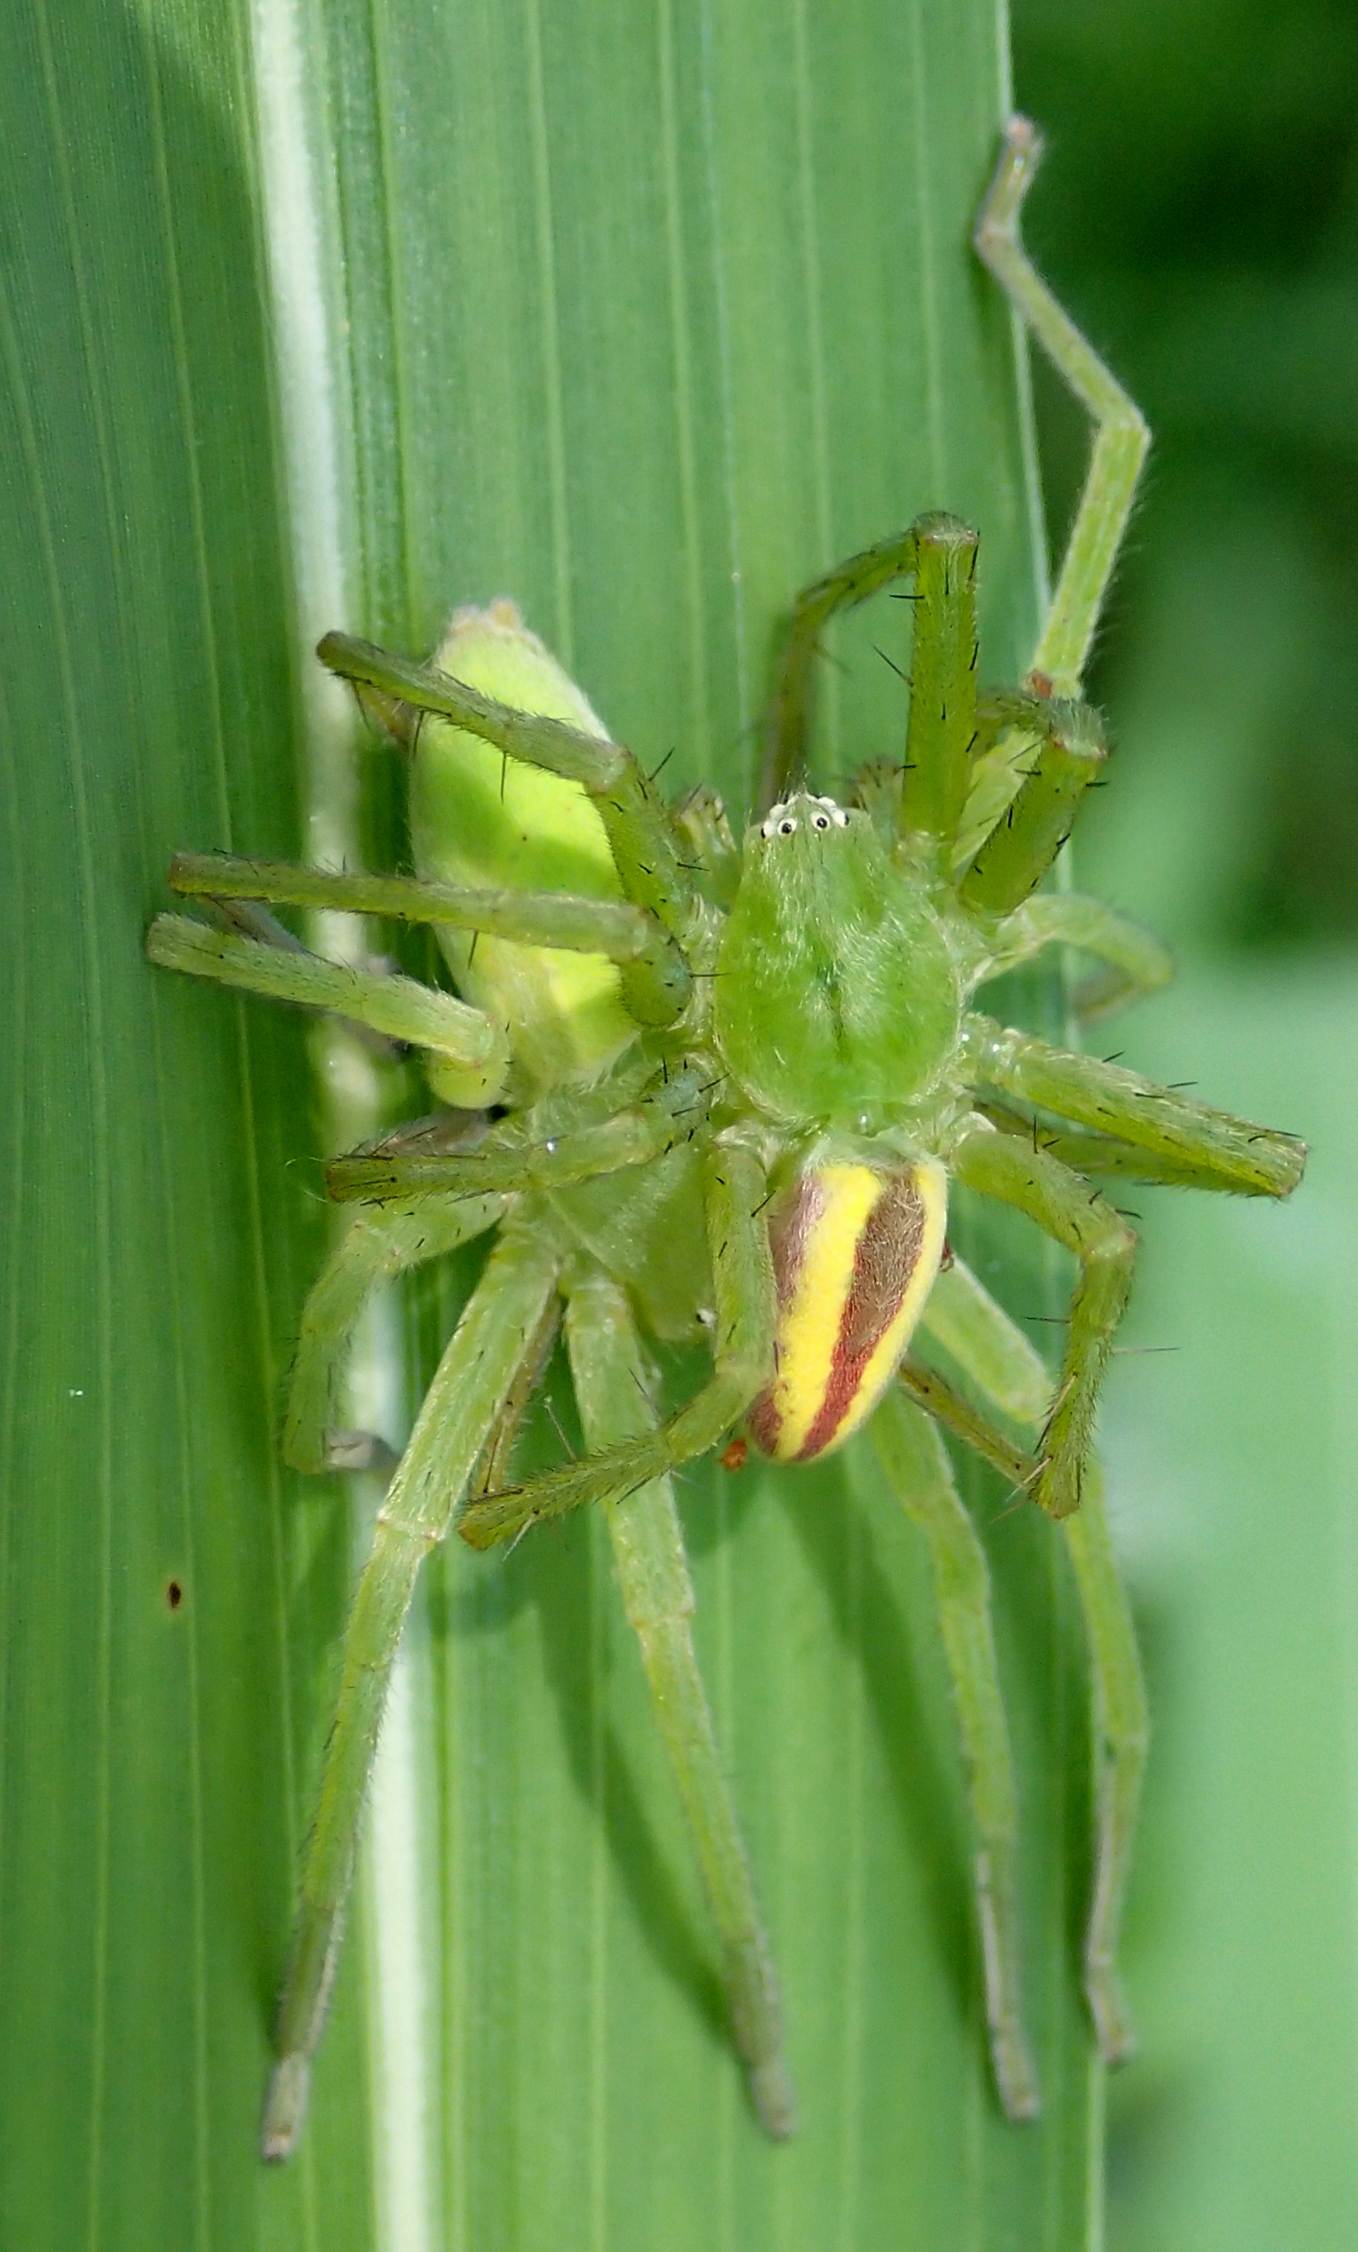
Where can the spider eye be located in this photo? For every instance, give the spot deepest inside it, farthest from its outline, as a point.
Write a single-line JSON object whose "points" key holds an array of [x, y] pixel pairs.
{"points": [[787, 828], [832, 814]]}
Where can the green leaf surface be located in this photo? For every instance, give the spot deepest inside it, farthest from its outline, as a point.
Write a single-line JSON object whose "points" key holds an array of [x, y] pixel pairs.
{"points": [[319, 315], [1231, 1422]]}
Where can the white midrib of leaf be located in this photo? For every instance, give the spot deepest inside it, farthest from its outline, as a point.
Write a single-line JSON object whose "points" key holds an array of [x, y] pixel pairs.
{"points": [[400, 1959]]}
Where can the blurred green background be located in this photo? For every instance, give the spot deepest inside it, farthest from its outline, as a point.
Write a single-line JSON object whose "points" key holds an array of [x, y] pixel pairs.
{"points": [[1201, 210]]}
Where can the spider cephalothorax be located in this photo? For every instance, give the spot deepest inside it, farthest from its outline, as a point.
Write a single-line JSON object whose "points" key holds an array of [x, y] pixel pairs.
{"points": [[838, 990], [723, 1091]]}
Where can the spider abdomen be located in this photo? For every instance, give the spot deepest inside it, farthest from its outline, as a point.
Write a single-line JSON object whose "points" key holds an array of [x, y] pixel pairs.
{"points": [[855, 1253], [479, 818]]}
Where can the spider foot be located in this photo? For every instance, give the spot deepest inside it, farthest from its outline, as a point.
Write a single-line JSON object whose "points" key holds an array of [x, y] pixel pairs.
{"points": [[1060, 1474], [1015, 2072], [1113, 2029], [285, 2108], [774, 2102], [1058, 1486]]}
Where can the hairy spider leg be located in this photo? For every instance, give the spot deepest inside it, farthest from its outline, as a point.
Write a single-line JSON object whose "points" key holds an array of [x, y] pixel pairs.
{"points": [[735, 1192], [919, 1475], [374, 1249], [954, 1411], [974, 1331], [1120, 1730], [940, 740], [1120, 443], [939, 553], [1135, 961], [468, 1056], [522, 1155], [998, 1360], [949, 761], [472, 1381], [1239, 1156], [610, 1375], [423, 1206], [642, 838], [1055, 770], [1103, 1155], [1081, 1220], [1121, 437], [705, 828], [658, 980]]}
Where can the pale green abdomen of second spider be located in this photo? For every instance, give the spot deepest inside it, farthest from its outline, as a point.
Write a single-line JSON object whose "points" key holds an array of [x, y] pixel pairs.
{"points": [[837, 997], [478, 818]]}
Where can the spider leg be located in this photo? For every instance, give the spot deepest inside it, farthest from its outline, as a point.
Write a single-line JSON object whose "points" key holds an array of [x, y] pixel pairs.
{"points": [[1101, 1155], [961, 1316], [1120, 434], [940, 555], [1137, 963], [1079, 1218], [954, 1411], [1059, 751], [998, 1360], [467, 1055], [655, 978], [735, 1191], [472, 1381], [1247, 1159], [439, 1199], [1121, 1733], [642, 838], [521, 1154], [609, 1373], [373, 1250], [704, 825], [916, 1466]]}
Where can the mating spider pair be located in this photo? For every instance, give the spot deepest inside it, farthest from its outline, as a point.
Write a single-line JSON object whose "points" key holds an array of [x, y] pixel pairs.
{"points": [[706, 1088]]}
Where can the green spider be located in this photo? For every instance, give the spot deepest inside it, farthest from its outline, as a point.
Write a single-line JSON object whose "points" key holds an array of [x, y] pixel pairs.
{"points": [[718, 1090]]}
